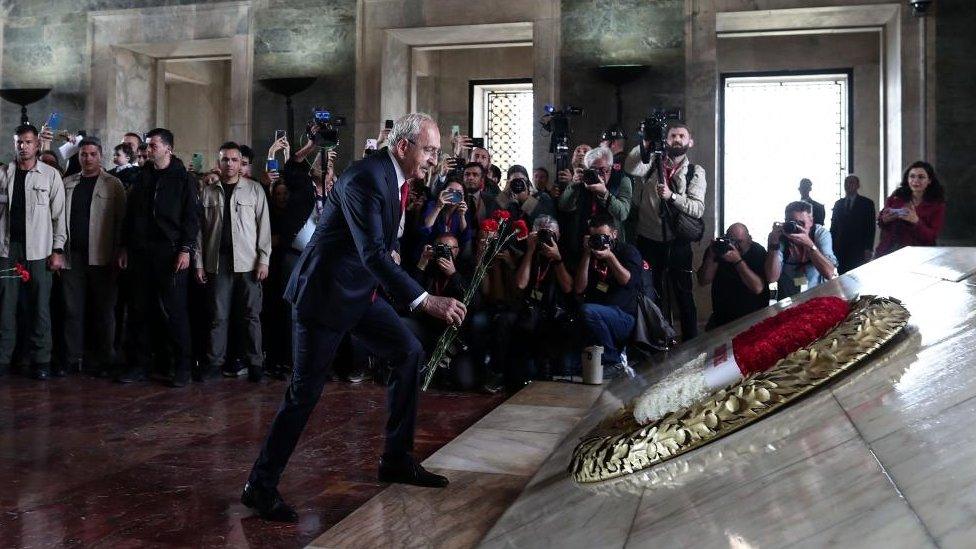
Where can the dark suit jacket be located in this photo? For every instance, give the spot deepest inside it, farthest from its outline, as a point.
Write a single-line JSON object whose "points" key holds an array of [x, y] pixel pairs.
{"points": [[348, 256], [852, 231], [819, 212]]}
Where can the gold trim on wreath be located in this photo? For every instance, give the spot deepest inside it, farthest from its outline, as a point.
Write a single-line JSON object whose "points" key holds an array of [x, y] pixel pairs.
{"points": [[619, 446]]}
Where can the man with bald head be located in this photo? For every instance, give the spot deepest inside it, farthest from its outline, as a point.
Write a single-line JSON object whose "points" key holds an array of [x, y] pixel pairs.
{"points": [[733, 265], [852, 227]]}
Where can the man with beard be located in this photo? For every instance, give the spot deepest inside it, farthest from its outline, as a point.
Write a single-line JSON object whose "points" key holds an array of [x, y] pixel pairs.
{"points": [[683, 189]]}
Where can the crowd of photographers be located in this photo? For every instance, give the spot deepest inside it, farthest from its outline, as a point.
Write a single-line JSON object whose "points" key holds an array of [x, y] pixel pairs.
{"points": [[158, 269]]}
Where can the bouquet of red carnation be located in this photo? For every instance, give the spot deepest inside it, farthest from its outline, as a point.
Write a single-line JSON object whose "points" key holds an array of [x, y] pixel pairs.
{"points": [[17, 271], [753, 351], [499, 232]]}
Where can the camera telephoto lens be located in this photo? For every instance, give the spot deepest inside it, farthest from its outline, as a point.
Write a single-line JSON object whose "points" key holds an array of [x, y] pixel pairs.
{"points": [[518, 186], [721, 246], [600, 242], [792, 227], [546, 237], [590, 177]]}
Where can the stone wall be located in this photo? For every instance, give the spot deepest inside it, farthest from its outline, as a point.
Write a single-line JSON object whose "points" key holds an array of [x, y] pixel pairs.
{"points": [[45, 44], [614, 32], [955, 104]]}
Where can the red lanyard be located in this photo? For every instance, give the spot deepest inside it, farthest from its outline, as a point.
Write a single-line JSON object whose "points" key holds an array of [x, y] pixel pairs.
{"points": [[541, 275], [602, 269]]}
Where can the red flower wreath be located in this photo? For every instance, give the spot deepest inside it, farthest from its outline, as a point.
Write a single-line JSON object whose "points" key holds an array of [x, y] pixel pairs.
{"points": [[763, 345]]}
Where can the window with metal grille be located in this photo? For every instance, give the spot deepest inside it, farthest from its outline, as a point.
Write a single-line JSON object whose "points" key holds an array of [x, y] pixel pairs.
{"points": [[501, 112], [777, 130]]}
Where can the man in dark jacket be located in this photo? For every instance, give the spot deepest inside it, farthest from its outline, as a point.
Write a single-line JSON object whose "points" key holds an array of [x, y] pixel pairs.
{"points": [[852, 227], [334, 291], [158, 238]]}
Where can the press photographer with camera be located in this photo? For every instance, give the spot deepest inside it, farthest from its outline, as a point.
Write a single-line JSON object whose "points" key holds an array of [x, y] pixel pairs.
{"points": [[447, 214], [521, 200], [480, 201], [438, 274], [598, 190], [734, 265], [608, 278], [669, 195], [547, 288], [800, 252]]}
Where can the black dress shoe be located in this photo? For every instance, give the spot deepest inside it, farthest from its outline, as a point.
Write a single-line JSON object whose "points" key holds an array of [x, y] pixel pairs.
{"points": [[131, 376], [180, 379], [42, 371], [268, 504], [409, 471]]}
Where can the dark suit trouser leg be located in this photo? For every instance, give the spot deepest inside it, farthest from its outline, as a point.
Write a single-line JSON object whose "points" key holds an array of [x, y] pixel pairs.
{"points": [[385, 336], [89, 292], [314, 349], [671, 264]]}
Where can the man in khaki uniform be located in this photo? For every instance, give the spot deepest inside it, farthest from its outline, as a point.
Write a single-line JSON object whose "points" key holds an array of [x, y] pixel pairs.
{"points": [[94, 209], [233, 252], [32, 232]]}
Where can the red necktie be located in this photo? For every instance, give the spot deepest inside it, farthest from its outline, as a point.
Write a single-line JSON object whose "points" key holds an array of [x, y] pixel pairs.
{"points": [[404, 197]]}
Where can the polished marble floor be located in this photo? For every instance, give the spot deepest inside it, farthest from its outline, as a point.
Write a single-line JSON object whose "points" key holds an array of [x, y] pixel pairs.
{"points": [[881, 458], [89, 463]]}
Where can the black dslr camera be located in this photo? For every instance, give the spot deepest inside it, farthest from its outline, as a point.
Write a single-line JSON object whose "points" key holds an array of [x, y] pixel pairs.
{"points": [[442, 251], [600, 242], [722, 245], [590, 177], [327, 136], [518, 186], [654, 128], [547, 237], [792, 227]]}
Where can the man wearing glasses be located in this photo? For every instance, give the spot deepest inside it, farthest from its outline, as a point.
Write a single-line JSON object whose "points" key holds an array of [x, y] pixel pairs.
{"points": [[600, 191], [334, 291]]}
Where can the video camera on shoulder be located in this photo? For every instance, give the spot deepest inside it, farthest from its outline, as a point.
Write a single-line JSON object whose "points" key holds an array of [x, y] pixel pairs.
{"points": [[654, 128], [327, 136]]}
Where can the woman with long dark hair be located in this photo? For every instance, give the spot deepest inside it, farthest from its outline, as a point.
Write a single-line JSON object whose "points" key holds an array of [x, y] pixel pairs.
{"points": [[914, 214]]}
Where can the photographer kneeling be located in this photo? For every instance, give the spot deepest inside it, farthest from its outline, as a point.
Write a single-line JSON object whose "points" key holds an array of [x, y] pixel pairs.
{"points": [[734, 266], [800, 252], [437, 274], [608, 277], [545, 314]]}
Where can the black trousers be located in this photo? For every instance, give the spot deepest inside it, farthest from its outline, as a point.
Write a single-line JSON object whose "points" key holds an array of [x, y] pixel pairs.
{"points": [[385, 336], [158, 317], [672, 272], [89, 295]]}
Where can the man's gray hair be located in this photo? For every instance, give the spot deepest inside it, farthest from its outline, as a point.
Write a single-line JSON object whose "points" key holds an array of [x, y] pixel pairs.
{"points": [[598, 152], [407, 127]]}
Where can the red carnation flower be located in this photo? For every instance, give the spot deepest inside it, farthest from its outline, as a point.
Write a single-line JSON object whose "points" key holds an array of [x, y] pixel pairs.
{"points": [[489, 226], [521, 229], [501, 215], [25, 275], [763, 345]]}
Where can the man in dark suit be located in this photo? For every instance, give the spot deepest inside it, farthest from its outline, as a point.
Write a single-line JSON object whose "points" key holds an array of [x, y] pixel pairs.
{"points": [[333, 291], [852, 227], [819, 212]]}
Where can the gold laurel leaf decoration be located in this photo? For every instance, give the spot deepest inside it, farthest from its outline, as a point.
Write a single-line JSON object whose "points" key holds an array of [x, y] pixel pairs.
{"points": [[619, 445]]}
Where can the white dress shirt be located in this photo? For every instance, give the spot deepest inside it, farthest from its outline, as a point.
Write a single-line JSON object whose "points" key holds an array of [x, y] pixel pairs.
{"points": [[401, 181]]}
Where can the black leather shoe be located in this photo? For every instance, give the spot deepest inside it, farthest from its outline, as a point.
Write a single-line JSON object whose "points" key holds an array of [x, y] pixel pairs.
{"points": [[409, 471], [131, 376], [180, 379], [268, 504], [42, 371]]}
